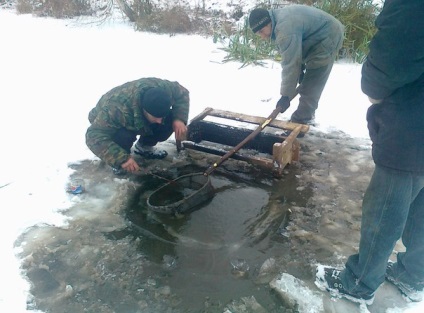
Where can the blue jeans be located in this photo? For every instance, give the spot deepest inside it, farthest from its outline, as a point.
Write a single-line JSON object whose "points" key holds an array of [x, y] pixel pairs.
{"points": [[392, 208]]}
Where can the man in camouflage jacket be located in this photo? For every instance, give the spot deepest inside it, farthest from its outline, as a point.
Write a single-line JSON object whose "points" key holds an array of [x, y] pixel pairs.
{"points": [[150, 108]]}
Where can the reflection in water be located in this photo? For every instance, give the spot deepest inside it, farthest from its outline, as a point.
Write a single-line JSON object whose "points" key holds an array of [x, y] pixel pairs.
{"points": [[240, 267], [216, 251]]}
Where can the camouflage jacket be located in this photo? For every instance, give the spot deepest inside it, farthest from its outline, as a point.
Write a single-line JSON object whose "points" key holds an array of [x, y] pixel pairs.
{"points": [[121, 108]]}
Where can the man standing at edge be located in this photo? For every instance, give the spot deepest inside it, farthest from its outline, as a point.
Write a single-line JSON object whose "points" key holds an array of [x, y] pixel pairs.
{"points": [[150, 108], [308, 40], [393, 205]]}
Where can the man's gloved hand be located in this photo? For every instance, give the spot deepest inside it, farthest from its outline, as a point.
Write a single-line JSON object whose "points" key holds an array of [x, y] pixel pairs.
{"points": [[283, 103]]}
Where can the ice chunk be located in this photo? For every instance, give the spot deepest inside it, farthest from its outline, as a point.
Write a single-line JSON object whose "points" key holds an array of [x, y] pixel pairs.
{"points": [[296, 292]]}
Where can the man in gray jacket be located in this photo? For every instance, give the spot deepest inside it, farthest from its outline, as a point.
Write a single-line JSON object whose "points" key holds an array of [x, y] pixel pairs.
{"points": [[308, 40]]}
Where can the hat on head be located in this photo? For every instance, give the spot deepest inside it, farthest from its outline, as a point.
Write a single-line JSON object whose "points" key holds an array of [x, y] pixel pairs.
{"points": [[156, 102], [258, 19]]}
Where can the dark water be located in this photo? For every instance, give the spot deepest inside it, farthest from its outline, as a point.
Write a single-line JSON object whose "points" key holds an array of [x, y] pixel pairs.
{"points": [[197, 254]]}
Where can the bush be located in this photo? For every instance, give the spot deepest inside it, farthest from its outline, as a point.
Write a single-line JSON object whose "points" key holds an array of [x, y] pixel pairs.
{"points": [[160, 16], [175, 16], [170, 20], [358, 16], [54, 8], [246, 47]]}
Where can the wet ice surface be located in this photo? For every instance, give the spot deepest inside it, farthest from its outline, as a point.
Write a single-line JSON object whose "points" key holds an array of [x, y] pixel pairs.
{"points": [[114, 255]]}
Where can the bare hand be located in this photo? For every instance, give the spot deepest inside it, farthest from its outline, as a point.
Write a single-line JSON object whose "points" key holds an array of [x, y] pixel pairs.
{"points": [[131, 165], [180, 130]]}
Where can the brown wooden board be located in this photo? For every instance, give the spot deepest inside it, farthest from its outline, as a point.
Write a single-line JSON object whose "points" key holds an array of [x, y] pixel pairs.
{"points": [[256, 160], [250, 119]]}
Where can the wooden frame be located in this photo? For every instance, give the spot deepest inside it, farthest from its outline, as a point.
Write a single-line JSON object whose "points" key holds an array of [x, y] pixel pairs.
{"points": [[283, 148]]}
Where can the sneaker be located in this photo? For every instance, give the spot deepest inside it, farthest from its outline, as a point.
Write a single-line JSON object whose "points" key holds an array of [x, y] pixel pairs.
{"points": [[118, 171], [149, 152], [413, 292], [328, 279]]}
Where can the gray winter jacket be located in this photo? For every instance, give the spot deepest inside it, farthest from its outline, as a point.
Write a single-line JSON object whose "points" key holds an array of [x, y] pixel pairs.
{"points": [[304, 35]]}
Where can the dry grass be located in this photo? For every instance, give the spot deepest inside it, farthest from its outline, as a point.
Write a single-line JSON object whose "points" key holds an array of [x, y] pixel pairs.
{"points": [[170, 16], [172, 20], [54, 8]]}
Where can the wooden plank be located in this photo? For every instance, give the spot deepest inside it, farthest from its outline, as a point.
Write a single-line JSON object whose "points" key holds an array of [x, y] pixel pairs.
{"points": [[257, 120], [202, 115], [264, 162], [286, 152]]}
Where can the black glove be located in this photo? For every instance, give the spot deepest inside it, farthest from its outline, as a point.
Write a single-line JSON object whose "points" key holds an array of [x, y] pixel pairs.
{"points": [[283, 103]]}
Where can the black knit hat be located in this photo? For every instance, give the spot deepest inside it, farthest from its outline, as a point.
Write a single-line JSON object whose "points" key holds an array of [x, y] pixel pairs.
{"points": [[258, 19], [156, 102]]}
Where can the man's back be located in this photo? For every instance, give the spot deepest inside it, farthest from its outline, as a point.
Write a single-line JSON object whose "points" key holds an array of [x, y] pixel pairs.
{"points": [[394, 75]]}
